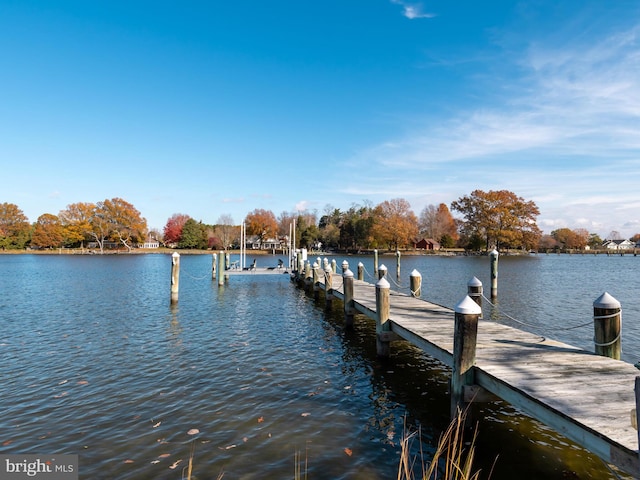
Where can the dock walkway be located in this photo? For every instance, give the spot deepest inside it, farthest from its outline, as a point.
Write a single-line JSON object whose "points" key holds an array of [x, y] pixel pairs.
{"points": [[586, 397]]}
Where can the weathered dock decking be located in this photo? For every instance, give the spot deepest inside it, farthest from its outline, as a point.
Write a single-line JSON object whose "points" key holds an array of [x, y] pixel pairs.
{"points": [[586, 397]]}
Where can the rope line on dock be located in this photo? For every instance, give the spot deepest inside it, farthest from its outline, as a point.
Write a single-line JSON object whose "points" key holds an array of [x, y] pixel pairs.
{"points": [[533, 325]]}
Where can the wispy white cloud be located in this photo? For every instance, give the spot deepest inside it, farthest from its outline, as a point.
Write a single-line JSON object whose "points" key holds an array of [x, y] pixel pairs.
{"points": [[412, 10]]}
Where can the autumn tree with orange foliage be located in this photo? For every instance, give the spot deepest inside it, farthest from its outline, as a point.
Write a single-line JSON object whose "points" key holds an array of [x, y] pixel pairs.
{"points": [[14, 227], [48, 232], [500, 218], [438, 223], [394, 223], [112, 219], [76, 221], [262, 223]]}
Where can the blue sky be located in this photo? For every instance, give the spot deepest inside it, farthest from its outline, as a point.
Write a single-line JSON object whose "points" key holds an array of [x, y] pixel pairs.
{"points": [[210, 107]]}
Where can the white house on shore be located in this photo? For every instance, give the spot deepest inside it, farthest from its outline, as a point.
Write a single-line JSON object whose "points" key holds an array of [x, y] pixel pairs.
{"points": [[619, 245]]}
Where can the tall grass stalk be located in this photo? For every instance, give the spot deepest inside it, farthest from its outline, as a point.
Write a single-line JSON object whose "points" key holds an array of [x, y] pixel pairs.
{"points": [[450, 458], [297, 460]]}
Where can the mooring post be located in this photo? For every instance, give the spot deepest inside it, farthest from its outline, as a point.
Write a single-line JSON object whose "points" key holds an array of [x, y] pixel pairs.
{"points": [[382, 272], [334, 265], [494, 273], [398, 264], [221, 268], [328, 286], [299, 263], [415, 283], [316, 277], [637, 412], [375, 260], [175, 276], [607, 322], [227, 261], [474, 290], [382, 318], [360, 271], [347, 282], [467, 313], [345, 266], [308, 276], [214, 259]]}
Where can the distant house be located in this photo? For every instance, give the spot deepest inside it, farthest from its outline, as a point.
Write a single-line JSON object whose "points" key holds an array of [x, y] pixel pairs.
{"points": [[619, 245], [427, 244], [253, 243]]}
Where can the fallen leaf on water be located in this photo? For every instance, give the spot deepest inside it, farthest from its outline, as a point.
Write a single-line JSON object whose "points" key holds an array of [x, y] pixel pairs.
{"points": [[8, 442], [348, 451], [155, 461], [164, 455], [261, 419], [228, 447], [63, 394], [175, 464], [83, 382], [347, 387], [128, 460], [63, 382], [157, 424], [306, 414], [193, 431], [245, 439]]}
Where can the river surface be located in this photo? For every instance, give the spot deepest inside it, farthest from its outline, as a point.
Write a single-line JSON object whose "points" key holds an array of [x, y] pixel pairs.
{"points": [[245, 378]]}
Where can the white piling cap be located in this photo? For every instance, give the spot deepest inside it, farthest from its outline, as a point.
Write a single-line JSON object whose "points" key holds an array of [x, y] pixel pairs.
{"points": [[175, 255], [474, 282], [383, 283], [606, 301], [415, 273], [468, 307], [347, 273], [494, 253], [382, 267]]}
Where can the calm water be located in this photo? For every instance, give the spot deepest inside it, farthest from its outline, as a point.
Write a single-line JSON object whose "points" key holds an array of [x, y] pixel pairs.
{"points": [[96, 362]]}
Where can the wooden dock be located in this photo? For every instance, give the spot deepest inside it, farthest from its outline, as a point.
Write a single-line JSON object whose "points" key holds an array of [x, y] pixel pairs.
{"points": [[586, 397]]}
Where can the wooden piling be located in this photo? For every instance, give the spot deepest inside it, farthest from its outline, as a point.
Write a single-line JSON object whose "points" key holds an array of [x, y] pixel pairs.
{"points": [[214, 260], [347, 282], [328, 286], [375, 260], [345, 266], [397, 263], [360, 271], [175, 276], [382, 317], [474, 290], [467, 313], [221, 268], [382, 272], [315, 274], [494, 273], [334, 266], [415, 283], [607, 323]]}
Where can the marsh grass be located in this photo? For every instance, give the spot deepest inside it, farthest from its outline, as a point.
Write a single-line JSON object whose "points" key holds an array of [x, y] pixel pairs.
{"points": [[453, 458]]}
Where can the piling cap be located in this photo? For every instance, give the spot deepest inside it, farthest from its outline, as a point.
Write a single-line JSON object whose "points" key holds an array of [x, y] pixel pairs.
{"points": [[494, 253], [468, 307], [383, 283], [415, 273], [175, 255], [606, 301], [382, 267], [474, 282], [347, 273]]}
